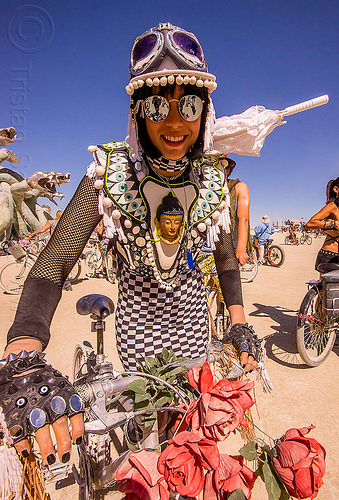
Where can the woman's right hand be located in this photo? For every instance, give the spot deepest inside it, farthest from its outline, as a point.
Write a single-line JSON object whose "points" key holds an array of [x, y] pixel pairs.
{"points": [[59, 392]]}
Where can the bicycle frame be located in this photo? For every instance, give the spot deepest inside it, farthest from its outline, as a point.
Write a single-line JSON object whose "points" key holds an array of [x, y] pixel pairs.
{"points": [[99, 386]]}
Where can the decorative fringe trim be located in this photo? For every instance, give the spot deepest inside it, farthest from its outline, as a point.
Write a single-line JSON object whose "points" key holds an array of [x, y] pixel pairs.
{"points": [[209, 128], [91, 170], [132, 139], [11, 469], [224, 222], [262, 375]]}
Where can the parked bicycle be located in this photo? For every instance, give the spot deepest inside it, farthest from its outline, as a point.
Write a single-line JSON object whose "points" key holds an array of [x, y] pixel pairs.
{"points": [[220, 321], [318, 316], [35, 245], [13, 274], [274, 255], [247, 272], [99, 261], [113, 425]]}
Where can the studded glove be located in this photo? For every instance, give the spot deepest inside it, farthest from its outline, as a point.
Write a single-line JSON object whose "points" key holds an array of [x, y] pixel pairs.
{"points": [[244, 339], [31, 400]]}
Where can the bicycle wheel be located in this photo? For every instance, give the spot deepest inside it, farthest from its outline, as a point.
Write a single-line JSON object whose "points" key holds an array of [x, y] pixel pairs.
{"points": [[287, 240], [309, 240], [91, 264], [249, 271], [75, 273], [302, 240], [110, 267], [13, 275], [275, 256], [316, 334]]}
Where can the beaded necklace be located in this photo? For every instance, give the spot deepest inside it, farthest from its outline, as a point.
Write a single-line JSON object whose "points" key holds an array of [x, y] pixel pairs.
{"points": [[184, 163]]}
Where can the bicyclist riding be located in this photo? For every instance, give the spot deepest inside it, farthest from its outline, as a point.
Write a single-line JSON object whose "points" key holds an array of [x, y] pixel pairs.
{"points": [[162, 300], [328, 220]]}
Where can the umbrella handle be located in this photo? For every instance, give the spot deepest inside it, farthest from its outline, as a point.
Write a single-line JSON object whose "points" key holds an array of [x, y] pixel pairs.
{"points": [[302, 106]]}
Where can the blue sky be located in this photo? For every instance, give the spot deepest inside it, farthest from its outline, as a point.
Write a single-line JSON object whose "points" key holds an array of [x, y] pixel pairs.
{"points": [[64, 67]]}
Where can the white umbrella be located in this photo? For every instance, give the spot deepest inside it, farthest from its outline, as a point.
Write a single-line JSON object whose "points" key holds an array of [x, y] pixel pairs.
{"points": [[245, 134]]}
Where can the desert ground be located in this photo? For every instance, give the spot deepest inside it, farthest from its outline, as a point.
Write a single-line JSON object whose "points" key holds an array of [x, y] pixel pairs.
{"points": [[301, 396]]}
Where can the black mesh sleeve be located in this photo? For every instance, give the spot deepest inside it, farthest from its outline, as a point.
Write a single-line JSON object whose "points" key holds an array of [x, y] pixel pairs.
{"points": [[42, 289], [228, 270]]}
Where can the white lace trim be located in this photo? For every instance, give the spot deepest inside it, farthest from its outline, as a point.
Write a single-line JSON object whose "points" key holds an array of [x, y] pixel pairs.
{"points": [[10, 467]]}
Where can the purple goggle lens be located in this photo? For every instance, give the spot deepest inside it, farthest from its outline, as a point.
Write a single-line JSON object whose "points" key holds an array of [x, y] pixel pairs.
{"points": [[187, 44], [144, 47]]}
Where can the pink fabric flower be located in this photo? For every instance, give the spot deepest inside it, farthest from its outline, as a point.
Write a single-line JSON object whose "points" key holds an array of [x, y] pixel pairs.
{"points": [[300, 463], [231, 475], [183, 462], [141, 477], [222, 405]]}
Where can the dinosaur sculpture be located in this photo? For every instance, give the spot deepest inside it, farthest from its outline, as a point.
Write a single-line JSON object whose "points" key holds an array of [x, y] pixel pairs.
{"points": [[19, 210]]}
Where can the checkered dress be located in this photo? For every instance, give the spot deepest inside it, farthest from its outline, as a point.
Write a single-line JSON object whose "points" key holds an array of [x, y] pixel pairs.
{"points": [[149, 318]]}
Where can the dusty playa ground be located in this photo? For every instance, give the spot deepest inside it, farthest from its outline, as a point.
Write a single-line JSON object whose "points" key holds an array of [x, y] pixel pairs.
{"points": [[301, 396]]}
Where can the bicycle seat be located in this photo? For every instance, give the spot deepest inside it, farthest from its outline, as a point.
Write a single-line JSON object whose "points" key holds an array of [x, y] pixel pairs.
{"points": [[95, 303], [327, 267]]}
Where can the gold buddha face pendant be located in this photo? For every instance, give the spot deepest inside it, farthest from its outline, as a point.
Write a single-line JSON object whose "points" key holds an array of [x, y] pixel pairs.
{"points": [[169, 220], [169, 228]]}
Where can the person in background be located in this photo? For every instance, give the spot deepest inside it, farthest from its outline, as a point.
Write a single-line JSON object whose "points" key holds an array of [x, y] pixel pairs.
{"points": [[240, 212], [263, 233], [327, 219], [292, 232], [49, 226]]}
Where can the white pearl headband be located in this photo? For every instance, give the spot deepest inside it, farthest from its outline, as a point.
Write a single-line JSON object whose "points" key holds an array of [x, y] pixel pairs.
{"points": [[185, 77]]}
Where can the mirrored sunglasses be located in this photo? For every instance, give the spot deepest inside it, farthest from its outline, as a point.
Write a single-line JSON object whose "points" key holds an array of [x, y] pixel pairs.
{"points": [[157, 107]]}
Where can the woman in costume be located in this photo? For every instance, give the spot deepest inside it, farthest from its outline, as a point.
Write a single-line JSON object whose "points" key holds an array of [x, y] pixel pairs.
{"points": [[240, 201], [161, 199], [328, 220]]}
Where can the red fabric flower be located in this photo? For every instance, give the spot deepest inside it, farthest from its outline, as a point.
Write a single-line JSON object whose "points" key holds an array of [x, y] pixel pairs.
{"points": [[231, 475], [142, 480], [183, 462], [300, 463], [222, 405]]}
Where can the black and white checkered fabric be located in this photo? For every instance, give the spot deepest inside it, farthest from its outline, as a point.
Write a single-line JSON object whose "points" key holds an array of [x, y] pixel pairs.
{"points": [[149, 318], [168, 165]]}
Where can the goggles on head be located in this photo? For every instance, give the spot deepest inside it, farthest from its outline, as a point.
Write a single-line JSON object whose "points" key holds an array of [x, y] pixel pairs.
{"points": [[182, 47], [168, 55], [157, 107]]}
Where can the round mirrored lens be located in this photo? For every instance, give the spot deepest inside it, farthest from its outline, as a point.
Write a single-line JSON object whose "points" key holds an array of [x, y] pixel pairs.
{"points": [[156, 108], [143, 47], [188, 45], [58, 405], [190, 107], [75, 403], [37, 417]]}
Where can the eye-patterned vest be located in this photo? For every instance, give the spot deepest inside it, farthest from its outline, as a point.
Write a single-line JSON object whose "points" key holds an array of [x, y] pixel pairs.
{"points": [[160, 225]]}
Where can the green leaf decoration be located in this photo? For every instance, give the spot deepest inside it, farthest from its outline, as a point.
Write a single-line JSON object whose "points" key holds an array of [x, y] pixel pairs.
{"points": [[149, 362], [237, 495], [249, 451], [138, 386], [271, 483], [164, 401]]}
